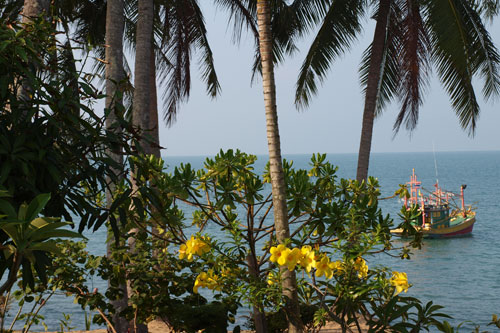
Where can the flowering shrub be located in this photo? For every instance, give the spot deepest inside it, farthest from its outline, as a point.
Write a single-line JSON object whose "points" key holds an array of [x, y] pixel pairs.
{"points": [[336, 225]]}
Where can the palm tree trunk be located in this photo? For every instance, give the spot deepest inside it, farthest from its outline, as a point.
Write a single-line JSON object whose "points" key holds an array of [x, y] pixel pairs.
{"points": [[372, 88], [142, 74], [142, 97], [33, 8], [153, 110], [115, 74], [276, 167]]}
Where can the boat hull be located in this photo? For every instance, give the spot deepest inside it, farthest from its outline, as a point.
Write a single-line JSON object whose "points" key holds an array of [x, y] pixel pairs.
{"points": [[457, 230]]}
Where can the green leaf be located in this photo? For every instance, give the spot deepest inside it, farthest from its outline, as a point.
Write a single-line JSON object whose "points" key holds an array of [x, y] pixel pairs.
{"points": [[37, 205], [4, 173], [41, 226], [48, 246], [20, 51], [56, 234], [7, 208], [4, 44]]}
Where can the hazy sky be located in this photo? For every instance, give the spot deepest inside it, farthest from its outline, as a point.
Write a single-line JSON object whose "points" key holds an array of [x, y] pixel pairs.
{"points": [[332, 123]]}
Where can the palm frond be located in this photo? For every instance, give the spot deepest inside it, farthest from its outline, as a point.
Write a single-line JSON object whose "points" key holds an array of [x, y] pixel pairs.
{"points": [[485, 55], [489, 8], [460, 50], [415, 65], [176, 79], [243, 15], [285, 26], [338, 30], [91, 23], [310, 12], [99, 67], [208, 73], [131, 15], [10, 9]]}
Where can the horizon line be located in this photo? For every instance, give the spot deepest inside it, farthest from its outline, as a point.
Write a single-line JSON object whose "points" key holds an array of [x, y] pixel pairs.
{"points": [[349, 153]]}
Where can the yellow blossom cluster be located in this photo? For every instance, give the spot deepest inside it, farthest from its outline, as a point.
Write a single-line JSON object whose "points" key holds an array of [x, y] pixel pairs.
{"points": [[207, 280], [327, 268], [400, 281], [194, 246], [272, 278], [361, 267], [306, 258]]}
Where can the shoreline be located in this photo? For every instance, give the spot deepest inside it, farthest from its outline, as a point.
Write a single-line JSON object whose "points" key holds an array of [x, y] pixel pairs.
{"points": [[158, 326]]}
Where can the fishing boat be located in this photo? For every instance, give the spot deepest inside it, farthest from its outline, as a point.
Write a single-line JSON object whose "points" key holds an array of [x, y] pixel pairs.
{"points": [[440, 216]]}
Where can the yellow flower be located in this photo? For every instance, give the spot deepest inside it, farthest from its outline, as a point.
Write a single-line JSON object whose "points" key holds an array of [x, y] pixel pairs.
{"points": [[206, 280], [212, 280], [307, 259], [337, 267], [400, 281], [182, 251], [277, 252], [194, 246], [361, 267], [272, 278], [323, 268], [198, 246], [282, 260], [292, 257], [200, 282]]}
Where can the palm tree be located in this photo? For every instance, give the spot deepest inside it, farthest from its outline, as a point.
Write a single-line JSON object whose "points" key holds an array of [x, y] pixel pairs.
{"points": [[280, 210], [375, 72], [141, 103], [275, 26], [449, 34], [178, 31], [409, 37], [115, 76]]}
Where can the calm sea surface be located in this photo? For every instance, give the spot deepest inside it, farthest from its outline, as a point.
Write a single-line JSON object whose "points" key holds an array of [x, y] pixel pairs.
{"points": [[462, 274]]}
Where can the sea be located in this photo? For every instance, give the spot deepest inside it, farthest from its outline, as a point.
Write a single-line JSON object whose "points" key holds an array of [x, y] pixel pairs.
{"points": [[461, 274]]}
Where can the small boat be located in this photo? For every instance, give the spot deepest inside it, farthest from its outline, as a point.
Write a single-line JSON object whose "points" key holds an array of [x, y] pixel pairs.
{"points": [[438, 219]]}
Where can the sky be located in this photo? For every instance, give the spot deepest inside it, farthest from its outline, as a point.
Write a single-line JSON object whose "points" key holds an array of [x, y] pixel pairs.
{"points": [[331, 124]]}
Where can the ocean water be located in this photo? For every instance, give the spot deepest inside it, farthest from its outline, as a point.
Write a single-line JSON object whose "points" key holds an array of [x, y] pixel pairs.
{"points": [[462, 274]]}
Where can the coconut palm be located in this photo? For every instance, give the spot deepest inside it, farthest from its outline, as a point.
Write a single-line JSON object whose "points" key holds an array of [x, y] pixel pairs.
{"points": [[115, 76], [179, 32], [410, 37], [141, 103], [280, 210], [275, 26]]}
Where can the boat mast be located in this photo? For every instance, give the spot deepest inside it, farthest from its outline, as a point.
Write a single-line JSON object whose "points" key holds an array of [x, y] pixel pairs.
{"points": [[462, 188], [435, 163], [414, 188]]}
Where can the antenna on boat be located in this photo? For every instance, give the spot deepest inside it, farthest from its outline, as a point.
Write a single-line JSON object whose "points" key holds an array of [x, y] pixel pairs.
{"points": [[435, 162]]}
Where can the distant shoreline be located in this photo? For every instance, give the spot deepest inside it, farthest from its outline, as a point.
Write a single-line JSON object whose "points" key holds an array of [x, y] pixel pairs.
{"points": [[346, 153]]}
